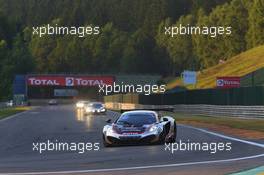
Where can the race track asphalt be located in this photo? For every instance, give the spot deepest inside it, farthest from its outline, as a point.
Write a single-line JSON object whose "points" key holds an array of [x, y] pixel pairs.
{"points": [[63, 123]]}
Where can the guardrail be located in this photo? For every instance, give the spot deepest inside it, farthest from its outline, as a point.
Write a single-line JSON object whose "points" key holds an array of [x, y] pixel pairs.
{"points": [[222, 111], [41, 102], [205, 110]]}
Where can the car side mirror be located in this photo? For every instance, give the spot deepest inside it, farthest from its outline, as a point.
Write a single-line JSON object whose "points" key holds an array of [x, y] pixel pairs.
{"points": [[108, 121]]}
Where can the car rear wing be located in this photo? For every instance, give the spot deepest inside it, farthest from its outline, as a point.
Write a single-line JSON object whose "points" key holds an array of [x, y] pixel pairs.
{"points": [[156, 108]]}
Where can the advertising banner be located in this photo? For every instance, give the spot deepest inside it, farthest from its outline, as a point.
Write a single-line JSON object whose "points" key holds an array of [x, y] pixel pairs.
{"points": [[228, 82], [69, 81]]}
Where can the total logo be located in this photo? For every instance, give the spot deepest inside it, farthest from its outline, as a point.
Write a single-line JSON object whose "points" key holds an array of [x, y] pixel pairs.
{"points": [[66, 81], [228, 82], [220, 83], [88, 82], [69, 81], [46, 82]]}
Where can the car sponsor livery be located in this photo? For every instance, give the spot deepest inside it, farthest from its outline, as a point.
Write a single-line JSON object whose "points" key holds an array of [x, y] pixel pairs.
{"points": [[69, 81]]}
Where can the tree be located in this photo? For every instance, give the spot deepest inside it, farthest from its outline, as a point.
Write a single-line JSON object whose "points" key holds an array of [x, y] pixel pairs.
{"points": [[20, 57], [17, 61], [211, 49], [179, 47], [255, 35]]}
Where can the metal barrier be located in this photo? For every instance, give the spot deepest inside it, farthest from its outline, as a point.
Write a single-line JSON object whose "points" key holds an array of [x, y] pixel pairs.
{"points": [[222, 111], [205, 110]]}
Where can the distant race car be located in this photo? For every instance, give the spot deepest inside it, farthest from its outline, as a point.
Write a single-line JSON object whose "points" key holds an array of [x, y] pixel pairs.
{"points": [[94, 107], [81, 104], [53, 102], [10, 103], [140, 126]]}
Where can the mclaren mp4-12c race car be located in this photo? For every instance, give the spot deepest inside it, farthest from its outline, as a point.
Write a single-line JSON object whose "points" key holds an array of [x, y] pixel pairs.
{"points": [[139, 127]]}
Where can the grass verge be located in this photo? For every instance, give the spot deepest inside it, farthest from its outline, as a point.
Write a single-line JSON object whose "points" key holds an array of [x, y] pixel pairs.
{"points": [[246, 128], [11, 111], [239, 65]]}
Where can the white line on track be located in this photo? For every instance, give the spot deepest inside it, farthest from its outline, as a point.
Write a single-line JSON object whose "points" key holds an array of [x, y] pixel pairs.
{"points": [[139, 167], [20, 113], [225, 137], [13, 116]]}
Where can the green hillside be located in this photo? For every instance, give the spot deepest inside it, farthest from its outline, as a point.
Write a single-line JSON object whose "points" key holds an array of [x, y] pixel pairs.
{"points": [[239, 65]]}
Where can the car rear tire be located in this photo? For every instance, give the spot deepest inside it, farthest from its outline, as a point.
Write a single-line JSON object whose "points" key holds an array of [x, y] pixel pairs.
{"points": [[173, 139]]}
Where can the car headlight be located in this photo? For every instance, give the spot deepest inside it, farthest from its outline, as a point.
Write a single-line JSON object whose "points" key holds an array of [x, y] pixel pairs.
{"points": [[114, 130], [110, 130], [153, 128], [102, 110], [79, 105]]}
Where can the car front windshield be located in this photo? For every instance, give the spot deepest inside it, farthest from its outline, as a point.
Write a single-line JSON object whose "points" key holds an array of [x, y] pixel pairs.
{"points": [[137, 119], [96, 105]]}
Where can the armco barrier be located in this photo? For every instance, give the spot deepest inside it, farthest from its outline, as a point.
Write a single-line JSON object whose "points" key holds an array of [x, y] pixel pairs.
{"points": [[41, 102], [221, 111], [205, 110]]}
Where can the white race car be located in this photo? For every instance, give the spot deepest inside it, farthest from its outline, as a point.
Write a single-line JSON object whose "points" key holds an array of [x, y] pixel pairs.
{"points": [[95, 108], [140, 126], [53, 102], [81, 104]]}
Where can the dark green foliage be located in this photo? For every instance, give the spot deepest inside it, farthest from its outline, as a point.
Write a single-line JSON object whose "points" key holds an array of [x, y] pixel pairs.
{"points": [[255, 35], [131, 38]]}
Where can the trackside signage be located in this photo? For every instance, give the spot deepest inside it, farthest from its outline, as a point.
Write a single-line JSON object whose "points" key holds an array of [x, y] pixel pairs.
{"points": [[228, 82], [70, 81]]}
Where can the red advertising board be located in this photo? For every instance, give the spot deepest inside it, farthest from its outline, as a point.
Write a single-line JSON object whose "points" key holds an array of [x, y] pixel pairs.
{"points": [[68, 80], [228, 82]]}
